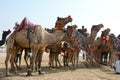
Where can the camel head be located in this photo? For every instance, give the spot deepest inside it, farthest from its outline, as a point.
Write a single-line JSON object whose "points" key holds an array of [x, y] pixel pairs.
{"points": [[96, 28], [61, 22], [118, 36], [105, 32], [71, 30], [5, 33]]}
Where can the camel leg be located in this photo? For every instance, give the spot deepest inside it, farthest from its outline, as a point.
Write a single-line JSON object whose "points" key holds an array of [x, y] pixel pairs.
{"points": [[77, 58], [26, 56], [12, 61], [18, 54], [6, 62], [67, 60], [57, 60], [53, 59], [105, 58], [74, 60], [16, 60], [21, 50], [32, 61], [39, 62], [20, 60], [50, 59], [101, 58], [64, 59], [36, 62]]}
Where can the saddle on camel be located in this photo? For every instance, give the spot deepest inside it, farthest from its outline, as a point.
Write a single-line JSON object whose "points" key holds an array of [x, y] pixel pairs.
{"points": [[26, 26]]}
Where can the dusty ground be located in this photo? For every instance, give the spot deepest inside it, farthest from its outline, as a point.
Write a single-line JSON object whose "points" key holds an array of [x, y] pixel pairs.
{"points": [[82, 73]]}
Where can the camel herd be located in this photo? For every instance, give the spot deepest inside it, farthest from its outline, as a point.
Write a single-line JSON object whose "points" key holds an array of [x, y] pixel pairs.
{"points": [[35, 39]]}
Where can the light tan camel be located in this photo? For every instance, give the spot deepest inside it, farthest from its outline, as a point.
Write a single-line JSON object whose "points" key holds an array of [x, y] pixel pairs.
{"points": [[56, 49], [38, 42]]}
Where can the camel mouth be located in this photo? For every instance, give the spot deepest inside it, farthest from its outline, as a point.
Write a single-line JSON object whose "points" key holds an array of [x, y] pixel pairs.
{"points": [[102, 26]]}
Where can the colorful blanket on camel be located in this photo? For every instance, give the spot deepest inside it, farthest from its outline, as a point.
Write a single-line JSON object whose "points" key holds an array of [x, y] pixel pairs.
{"points": [[25, 24], [116, 41]]}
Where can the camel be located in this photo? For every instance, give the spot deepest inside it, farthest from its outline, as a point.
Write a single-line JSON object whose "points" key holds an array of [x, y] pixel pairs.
{"points": [[4, 35], [99, 47], [87, 40], [56, 49], [83, 31], [68, 54], [74, 42], [38, 42], [80, 40], [104, 47], [53, 56], [115, 44]]}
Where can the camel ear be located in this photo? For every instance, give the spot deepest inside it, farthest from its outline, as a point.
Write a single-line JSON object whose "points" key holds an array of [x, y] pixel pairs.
{"points": [[75, 26], [58, 18], [64, 30], [9, 30]]}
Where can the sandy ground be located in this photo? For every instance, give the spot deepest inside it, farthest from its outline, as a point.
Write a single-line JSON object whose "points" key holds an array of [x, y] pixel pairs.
{"points": [[82, 73]]}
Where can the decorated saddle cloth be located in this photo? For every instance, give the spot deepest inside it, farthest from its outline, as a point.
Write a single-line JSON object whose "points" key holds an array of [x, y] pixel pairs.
{"points": [[25, 24], [79, 37], [116, 41]]}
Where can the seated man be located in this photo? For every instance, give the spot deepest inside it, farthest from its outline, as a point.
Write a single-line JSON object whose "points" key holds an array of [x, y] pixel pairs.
{"points": [[116, 64]]}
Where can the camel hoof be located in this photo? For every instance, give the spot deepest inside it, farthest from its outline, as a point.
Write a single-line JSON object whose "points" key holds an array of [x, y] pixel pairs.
{"points": [[7, 75], [15, 72], [29, 73], [40, 73]]}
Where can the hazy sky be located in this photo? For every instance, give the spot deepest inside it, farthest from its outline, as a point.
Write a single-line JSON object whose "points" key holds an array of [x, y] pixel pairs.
{"points": [[45, 13]]}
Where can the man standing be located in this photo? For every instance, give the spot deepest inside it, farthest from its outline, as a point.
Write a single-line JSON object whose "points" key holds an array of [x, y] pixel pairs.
{"points": [[116, 64]]}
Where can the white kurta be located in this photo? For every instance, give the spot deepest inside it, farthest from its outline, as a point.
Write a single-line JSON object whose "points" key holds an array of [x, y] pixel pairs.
{"points": [[116, 65]]}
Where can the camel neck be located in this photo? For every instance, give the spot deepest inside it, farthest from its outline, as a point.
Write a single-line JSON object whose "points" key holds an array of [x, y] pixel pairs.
{"points": [[55, 37]]}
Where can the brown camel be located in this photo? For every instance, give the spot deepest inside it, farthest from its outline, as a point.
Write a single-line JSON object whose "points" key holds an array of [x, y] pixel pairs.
{"points": [[74, 43], [99, 46], [4, 35], [115, 44], [80, 40], [38, 42], [68, 54]]}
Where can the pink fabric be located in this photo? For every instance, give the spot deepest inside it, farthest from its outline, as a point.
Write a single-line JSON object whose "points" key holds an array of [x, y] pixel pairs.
{"points": [[25, 24]]}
